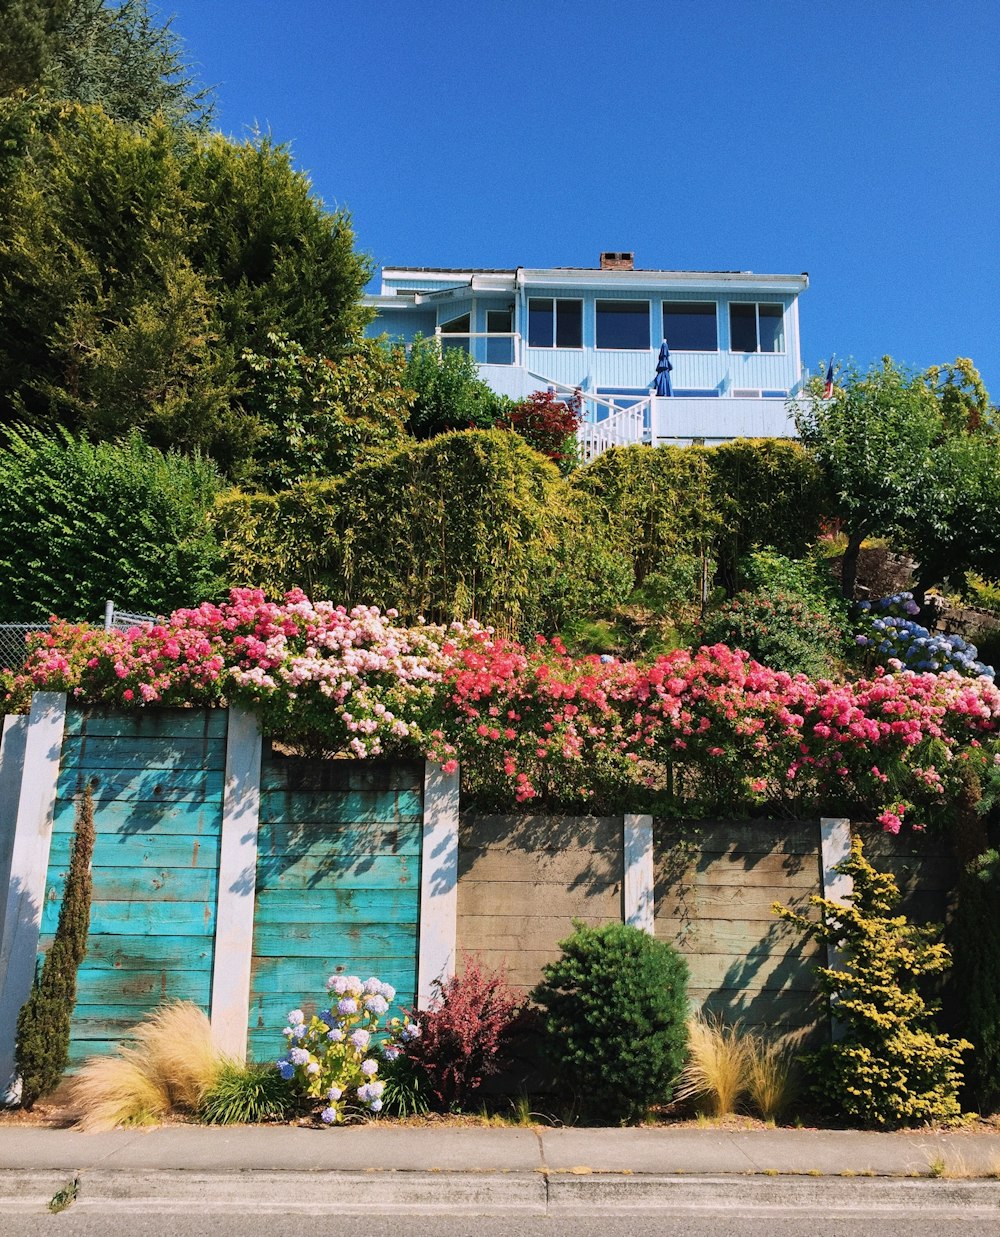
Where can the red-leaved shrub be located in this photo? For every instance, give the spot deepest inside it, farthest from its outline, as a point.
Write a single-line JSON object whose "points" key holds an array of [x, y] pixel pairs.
{"points": [[466, 1035]]}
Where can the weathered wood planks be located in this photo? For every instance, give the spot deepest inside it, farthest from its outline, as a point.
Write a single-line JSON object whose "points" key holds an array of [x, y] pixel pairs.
{"points": [[157, 778], [338, 881]]}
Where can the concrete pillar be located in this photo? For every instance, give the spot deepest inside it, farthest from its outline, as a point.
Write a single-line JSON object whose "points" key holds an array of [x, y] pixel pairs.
{"points": [[438, 929], [637, 886], [237, 885], [29, 862]]}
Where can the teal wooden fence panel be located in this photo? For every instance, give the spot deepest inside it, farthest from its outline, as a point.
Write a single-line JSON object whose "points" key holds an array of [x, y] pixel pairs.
{"points": [[157, 778], [338, 884]]}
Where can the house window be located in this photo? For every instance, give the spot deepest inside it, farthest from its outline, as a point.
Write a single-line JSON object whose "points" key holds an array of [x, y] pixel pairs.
{"points": [[690, 326], [623, 324], [756, 328], [456, 326], [554, 323]]}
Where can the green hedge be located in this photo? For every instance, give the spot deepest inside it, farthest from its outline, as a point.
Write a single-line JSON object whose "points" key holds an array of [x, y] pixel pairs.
{"points": [[471, 524]]}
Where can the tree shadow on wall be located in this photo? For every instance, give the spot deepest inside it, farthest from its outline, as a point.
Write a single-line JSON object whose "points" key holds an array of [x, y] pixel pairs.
{"points": [[584, 853]]}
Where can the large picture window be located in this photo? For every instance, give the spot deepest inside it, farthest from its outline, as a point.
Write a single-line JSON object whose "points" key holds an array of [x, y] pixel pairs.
{"points": [[623, 324], [690, 326], [756, 328], [554, 322]]}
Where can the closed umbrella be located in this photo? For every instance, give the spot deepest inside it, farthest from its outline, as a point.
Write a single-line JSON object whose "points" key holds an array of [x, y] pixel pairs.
{"points": [[661, 383]]}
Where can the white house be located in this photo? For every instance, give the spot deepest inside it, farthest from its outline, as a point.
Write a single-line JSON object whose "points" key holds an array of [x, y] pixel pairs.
{"points": [[733, 338]]}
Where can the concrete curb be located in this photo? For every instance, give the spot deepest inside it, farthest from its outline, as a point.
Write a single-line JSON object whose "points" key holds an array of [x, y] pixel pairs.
{"points": [[485, 1193]]}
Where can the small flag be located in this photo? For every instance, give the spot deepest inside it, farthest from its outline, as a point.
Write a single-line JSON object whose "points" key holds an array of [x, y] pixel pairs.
{"points": [[828, 387]]}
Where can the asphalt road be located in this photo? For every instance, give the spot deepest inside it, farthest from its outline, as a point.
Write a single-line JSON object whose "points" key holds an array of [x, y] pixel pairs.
{"points": [[78, 1221]]}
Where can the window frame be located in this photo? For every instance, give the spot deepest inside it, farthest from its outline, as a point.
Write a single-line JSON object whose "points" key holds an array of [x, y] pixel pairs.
{"points": [[555, 345], [647, 347], [666, 335], [757, 351]]}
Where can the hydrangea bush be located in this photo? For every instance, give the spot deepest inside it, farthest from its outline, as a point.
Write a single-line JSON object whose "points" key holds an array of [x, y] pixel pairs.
{"points": [[333, 1057], [887, 631]]}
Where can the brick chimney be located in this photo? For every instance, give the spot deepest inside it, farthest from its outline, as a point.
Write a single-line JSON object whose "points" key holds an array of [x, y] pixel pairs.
{"points": [[617, 261]]}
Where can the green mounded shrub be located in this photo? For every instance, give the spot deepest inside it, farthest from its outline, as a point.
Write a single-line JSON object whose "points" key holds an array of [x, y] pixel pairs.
{"points": [[83, 522], [767, 492], [468, 525], [247, 1095], [450, 395], [656, 504], [783, 630], [615, 1009], [280, 541], [41, 1049], [975, 937], [890, 1067]]}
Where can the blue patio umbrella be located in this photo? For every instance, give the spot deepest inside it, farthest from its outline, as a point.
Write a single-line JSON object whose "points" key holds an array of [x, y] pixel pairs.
{"points": [[661, 383]]}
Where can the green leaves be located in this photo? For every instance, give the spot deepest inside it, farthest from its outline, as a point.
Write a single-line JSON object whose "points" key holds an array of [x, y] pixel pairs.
{"points": [[82, 522]]}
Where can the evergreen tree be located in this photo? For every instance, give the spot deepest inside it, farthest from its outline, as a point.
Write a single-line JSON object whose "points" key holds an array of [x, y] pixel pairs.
{"points": [[94, 52], [43, 1025]]}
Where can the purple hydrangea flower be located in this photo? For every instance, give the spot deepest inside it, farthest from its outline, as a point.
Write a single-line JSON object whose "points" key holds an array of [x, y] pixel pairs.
{"points": [[334, 1094], [295, 1017], [336, 1035], [347, 1006], [376, 1005], [360, 1038], [369, 1067], [298, 1056], [329, 1116], [390, 1051]]}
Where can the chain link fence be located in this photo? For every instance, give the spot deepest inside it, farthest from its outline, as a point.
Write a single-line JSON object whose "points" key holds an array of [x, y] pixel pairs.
{"points": [[14, 636]]}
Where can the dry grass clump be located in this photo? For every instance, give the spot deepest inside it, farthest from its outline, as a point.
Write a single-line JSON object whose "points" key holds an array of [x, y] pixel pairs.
{"points": [[770, 1076], [715, 1072], [171, 1065], [726, 1065]]}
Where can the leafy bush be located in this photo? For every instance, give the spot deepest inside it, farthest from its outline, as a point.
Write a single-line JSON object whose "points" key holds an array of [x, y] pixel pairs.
{"points": [[246, 1095], [891, 1067], [975, 936], [809, 577], [80, 523], [468, 525], [320, 417], [782, 630], [615, 1008], [887, 634], [466, 1034], [656, 504], [982, 594], [331, 1058], [548, 424], [767, 492], [41, 1048], [450, 395]]}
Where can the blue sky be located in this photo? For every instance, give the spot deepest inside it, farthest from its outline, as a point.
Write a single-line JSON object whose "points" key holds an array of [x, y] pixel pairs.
{"points": [[853, 139]]}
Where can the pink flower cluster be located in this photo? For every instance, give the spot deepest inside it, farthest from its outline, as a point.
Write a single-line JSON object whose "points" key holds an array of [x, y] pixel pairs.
{"points": [[536, 725]]}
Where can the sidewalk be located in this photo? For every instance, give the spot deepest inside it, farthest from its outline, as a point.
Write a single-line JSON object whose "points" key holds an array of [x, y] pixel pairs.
{"points": [[490, 1170]]}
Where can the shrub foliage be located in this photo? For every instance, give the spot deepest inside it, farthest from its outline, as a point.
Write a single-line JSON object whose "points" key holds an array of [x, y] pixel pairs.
{"points": [[891, 1067], [81, 522], [976, 941], [466, 1035], [615, 1007], [43, 1025]]}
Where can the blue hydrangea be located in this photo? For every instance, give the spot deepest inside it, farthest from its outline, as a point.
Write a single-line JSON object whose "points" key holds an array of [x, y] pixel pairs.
{"points": [[286, 1069], [329, 1116], [377, 1005]]}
